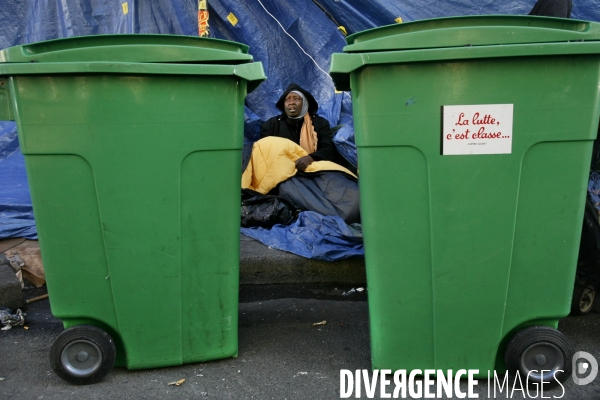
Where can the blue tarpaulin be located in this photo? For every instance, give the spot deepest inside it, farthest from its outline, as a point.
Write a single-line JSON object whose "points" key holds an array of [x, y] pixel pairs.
{"points": [[16, 217], [313, 235], [293, 39]]}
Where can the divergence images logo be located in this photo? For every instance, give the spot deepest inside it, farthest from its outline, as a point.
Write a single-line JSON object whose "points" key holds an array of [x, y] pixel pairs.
{"points": [[585, 368]]}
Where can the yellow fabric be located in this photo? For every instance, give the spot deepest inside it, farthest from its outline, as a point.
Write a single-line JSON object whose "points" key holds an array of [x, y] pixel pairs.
{"points": [[308, 136], [273, 161]]}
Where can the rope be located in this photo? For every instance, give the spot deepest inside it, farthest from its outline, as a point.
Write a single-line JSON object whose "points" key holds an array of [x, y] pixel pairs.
{"points": [[298, 44]]}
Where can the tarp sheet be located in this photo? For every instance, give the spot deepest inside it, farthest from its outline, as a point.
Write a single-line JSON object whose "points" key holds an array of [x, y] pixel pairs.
{"points": [[293, 39], [16, 216], [314, 236]]}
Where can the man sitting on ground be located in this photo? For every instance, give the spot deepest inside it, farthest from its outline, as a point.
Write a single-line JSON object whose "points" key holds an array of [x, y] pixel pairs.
{"points": [[300, 123]]}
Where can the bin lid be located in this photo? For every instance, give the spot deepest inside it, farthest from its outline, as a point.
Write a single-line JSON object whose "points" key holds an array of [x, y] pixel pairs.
{"points": [[484, 30], [138, 48]]}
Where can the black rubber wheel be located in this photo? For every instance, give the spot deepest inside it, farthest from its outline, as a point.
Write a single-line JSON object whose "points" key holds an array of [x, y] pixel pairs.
{"points": [[583, 298], [538, 348], [83, 354]]}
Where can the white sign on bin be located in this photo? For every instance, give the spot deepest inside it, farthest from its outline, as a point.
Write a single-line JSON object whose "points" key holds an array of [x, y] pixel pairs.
{"points": [[477, 129]]}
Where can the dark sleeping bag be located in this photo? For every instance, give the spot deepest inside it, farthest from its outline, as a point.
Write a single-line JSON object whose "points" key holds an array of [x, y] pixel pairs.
{"points": [[326, 192]]}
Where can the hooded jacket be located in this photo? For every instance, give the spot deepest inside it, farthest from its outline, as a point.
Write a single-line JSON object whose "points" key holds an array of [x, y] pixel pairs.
{"points": [[289, 128]]}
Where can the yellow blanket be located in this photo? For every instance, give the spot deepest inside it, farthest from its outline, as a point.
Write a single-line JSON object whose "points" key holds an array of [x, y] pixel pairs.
{"points": [[273, 161]]}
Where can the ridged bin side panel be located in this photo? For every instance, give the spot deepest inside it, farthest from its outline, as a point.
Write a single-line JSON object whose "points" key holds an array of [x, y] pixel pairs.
{"points": [[448, 300], [132, 133]]}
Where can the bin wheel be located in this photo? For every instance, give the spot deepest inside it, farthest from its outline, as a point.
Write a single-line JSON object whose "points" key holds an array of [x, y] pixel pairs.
{"points": [[583, 298], [538, 348], [83, 354]]}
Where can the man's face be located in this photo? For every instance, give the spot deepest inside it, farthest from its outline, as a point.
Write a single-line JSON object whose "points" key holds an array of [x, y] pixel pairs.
{"points": [[293, 104]]}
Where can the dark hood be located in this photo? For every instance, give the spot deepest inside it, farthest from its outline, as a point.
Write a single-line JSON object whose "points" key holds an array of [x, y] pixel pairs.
{"points": [[313, 106]]}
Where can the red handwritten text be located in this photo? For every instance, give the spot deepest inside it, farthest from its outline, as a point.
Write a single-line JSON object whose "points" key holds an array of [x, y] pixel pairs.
{"points": [[482, 134], [461, 121], [486, 120]]}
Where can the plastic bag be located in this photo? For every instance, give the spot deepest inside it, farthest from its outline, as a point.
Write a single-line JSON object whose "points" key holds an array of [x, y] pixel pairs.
{"points": [[10, 319], [265, 211]]}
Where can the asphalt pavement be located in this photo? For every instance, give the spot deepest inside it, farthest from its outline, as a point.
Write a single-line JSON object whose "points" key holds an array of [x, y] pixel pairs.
{"points": [[281, 354]]}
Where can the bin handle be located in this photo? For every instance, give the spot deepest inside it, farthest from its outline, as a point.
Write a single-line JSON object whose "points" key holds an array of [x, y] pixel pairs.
{"points": [[253, 73], [341, 67]]}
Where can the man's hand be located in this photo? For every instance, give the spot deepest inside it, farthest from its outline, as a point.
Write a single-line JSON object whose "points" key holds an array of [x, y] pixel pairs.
{"points": [[303, 162]]}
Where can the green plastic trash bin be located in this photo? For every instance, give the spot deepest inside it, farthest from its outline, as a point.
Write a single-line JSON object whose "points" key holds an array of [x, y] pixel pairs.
{"points": [[474, 138], [132, 146]]}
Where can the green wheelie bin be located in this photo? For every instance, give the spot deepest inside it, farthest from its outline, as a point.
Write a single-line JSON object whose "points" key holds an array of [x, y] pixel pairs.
{"points": [[132, 145], [474, 139]]}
